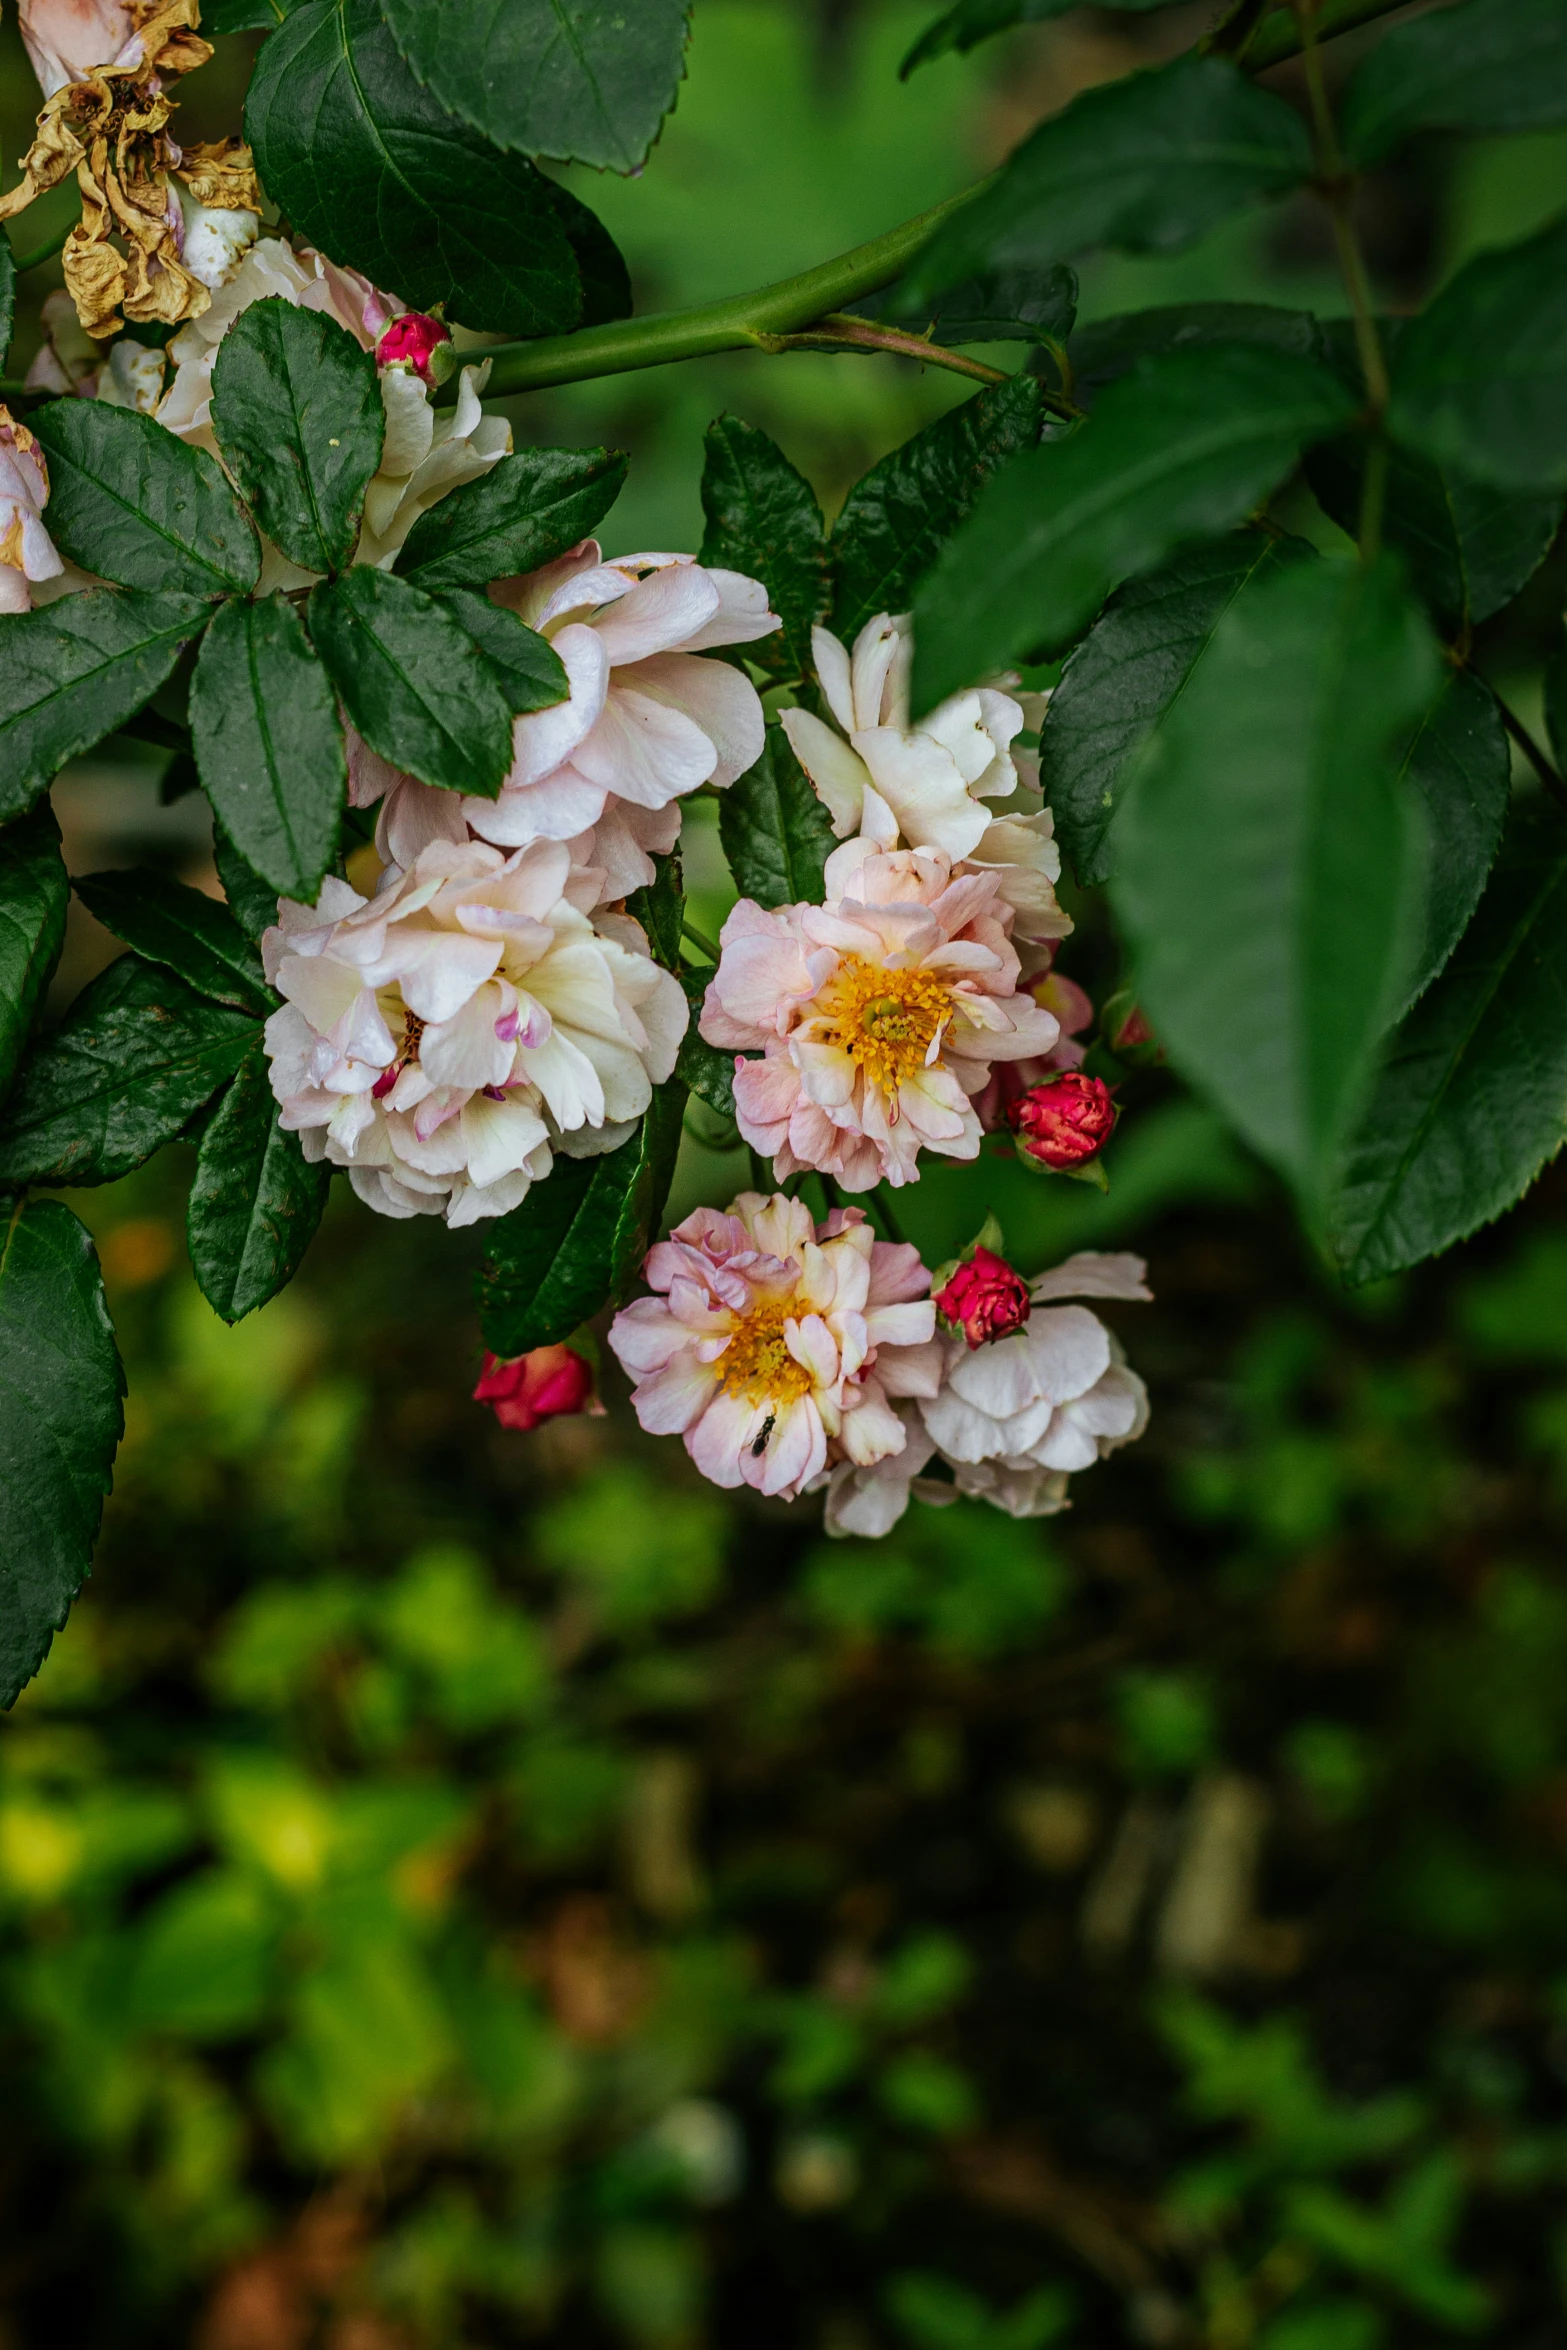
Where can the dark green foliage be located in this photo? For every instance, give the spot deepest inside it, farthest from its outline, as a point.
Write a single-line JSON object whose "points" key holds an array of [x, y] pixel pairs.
{"points": [[413, 681], [187, 932], [130, 502], [1109, 347], [252, 899], [246, 16], [296, 406], [530, 671], [136, 1056], [896, 520], [1182, 448], [1133, 664], [1470, 547], [1459, 766], [1270, 857], [255, 1201], [1003, 306], [1556, 701], [34, 893], [660, 908], [60, 1425], [574, 79], [1480, 377], [370, 168], [776, 834], [269, 745], [971, 21], [708, 1070], [525, 511], [1488, 65], [579, 1238], [73, 672], [763, 519], [1148, 163], [1468, 1105], [606, 281]]}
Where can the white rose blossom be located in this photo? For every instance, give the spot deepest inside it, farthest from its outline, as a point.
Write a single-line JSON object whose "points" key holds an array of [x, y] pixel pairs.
{"points": [[443, 1038], [28, 555], [1014, 1418]]}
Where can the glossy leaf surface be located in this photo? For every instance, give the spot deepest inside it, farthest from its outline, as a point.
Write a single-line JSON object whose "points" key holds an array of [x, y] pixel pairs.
{"points": [[413, 681], [131, 502], [522, 513], [1488, 65], [255, 1201], [74, 671], [296, 405], [181, 928], [269, 744], [763, 519], [530, 671], [1480, 377], [34, 893], [775, 832]]}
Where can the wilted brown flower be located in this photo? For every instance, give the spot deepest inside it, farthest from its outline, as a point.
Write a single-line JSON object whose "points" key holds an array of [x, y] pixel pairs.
{"points": [[127, 258]]}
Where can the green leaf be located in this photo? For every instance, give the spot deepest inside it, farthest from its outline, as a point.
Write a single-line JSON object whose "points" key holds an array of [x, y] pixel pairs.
{"points": [[601, 265], [34, 893], [1470, 547], [972, 21], [60, 1424], [1132, 666], [74, 671], [707, 1070], [371, 169], [581, 80], [244, 16], [131, 502], [1003, 306], [531, 673], [763, 519], [660, 907], [1270, 859], [524, 512], [775, 832], [256, 1199], [1556, 701], [1460, 766], [252, 899], [1183, 448], [1147, 163], [578, 1240], [413, 681], [136, 1056], [1468, 1104], [1491, 65], [897, 518], [296, 406], [1111, 347], [1480, 377], [269, 744], [188, 933]]}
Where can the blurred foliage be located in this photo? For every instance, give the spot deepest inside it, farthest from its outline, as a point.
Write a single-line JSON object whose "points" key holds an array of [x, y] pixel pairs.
{"points": [[466, 1889]]}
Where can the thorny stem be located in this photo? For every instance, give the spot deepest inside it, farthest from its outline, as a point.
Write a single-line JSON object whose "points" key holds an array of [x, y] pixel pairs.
{"points": [[1336, 186]]}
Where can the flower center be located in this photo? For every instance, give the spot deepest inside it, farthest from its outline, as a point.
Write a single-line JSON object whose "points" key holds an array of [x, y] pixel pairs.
{"points": [[757, 1361], [408, 1050], [885, 1020]]}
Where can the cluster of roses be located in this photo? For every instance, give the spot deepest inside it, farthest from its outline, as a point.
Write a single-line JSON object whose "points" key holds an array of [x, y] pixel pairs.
{"points": [[492, 1002]]}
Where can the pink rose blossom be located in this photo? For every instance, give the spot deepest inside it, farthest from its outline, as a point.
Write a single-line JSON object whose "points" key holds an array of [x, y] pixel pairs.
{"points": [[984, 1298], [877, 1015], [1012, 1420], [551, 1383], [27, 552], [774, 1345]]}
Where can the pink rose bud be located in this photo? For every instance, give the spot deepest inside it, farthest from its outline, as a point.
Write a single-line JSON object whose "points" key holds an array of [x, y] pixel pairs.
{"points": [[984, 1298], [550, 1384], [1065, 1121], [1128, 1034], [419, 342]]}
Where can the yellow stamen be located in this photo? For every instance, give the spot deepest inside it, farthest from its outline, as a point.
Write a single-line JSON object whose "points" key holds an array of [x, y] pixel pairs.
{"points": [[757, 1363], [885, 1020]]}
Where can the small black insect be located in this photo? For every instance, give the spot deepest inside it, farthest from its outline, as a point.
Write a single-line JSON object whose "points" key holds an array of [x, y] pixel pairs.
{"points": [[760, 1446]]}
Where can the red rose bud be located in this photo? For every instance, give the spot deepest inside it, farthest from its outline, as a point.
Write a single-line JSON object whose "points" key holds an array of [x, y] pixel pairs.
{"points": [[1065, 1121], [419, 342], [984, 1298], [1128, 1034], [549, 1384]]}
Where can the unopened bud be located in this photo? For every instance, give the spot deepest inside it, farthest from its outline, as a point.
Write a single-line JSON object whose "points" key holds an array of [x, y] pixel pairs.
{"points": [[984, 1298], [1064, 1122], [551, 1383], [1128, 1034], [418, 341]]}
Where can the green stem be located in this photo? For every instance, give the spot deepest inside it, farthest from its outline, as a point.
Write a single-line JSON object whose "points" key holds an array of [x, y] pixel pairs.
{"points": [[753, 321], [1531, 750], [1280, 34], [689, 930], [47, 250]]}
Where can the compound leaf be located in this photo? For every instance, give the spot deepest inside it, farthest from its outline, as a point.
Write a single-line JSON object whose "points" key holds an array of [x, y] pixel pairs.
{"points": [[522, 513], [188, 933], [413, 681], [775, 832]]}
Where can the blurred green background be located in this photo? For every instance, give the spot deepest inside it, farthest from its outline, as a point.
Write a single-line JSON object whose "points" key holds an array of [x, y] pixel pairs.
{"points": [[460, 1888]]}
